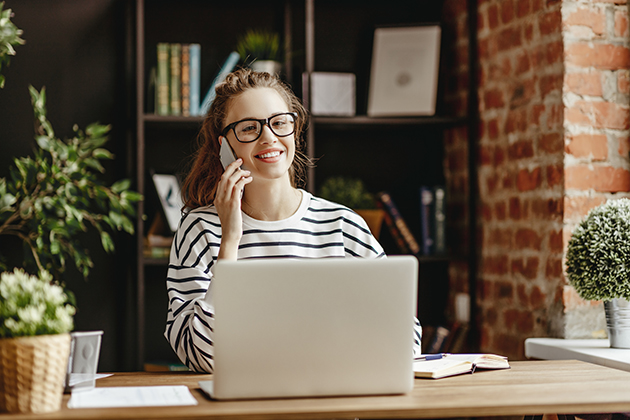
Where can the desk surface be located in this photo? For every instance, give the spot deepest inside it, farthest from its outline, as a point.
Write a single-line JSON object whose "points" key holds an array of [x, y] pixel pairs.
{"points": [[596, 351], [530, 387]]}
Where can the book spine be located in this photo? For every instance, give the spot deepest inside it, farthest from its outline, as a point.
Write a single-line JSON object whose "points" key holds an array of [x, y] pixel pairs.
{"points": [[390, 208], [195, 74], [185, 80], [162, 82], [426, 220], [227, 67], [439, 193], [175, 79]]}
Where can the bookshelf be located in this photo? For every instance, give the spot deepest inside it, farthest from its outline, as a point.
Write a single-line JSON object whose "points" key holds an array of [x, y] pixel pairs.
{"points": [[397, 154]]}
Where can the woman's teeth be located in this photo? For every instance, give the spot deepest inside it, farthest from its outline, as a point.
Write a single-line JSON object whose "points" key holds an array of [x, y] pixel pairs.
{"points": [[269, 155]]}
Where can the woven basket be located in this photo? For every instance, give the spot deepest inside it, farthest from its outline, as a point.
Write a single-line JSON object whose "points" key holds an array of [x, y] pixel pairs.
{"points": [[32, 372]]}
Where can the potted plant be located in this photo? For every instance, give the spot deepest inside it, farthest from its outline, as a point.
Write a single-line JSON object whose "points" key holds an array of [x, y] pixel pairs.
{"points": [[260, 50], [352, 192], [9, 37], [598, 264], [35, 318]]}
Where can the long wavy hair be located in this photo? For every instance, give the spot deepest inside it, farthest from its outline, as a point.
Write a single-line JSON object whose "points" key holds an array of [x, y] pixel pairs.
{"points": [[200, 185]]}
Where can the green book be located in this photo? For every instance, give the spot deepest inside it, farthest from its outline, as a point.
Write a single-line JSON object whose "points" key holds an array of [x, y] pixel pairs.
{"points": [[162, 106], [176, 79]]}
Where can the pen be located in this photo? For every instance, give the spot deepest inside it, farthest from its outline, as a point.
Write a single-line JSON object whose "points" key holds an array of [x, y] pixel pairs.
{"points": [[431, 356]]}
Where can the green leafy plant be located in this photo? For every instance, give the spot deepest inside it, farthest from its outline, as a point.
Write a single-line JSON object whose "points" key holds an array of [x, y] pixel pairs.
{"points": [[32, 305], [9, 37], [598, 254], [49, 199], [259, 45], [350, 192]]}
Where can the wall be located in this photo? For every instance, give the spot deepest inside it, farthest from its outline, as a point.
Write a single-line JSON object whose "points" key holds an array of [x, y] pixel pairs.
{"points": [[76, 49], [552, 143]]}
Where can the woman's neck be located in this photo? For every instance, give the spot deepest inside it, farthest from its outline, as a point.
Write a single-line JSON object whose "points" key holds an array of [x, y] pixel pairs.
{"points": [[274, 201]]}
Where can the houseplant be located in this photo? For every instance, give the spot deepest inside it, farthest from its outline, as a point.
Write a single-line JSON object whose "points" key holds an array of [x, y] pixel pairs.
{"points": [[352, 192], [598, 264], [9, 37], [36, 316], [260, 50]]}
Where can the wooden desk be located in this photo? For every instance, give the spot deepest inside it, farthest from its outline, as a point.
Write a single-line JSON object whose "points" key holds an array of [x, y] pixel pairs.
{"points": [[596, 351], [529, 388]]}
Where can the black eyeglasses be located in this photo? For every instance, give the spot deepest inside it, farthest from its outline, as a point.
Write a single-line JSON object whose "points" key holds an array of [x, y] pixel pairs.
{"points": [[250, 129]]}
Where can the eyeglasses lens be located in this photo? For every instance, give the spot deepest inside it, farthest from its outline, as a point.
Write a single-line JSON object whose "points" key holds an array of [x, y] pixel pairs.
{"points": [[249, 130]]}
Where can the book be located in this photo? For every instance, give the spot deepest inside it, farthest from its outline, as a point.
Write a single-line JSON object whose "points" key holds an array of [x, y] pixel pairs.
{"points": [[164, 367], [427, 225], [195, 74], [185, 80], [439, 216], [397, 225], [175, 82], [230, 62], [456, 364], [162, 105], [439, 338]]}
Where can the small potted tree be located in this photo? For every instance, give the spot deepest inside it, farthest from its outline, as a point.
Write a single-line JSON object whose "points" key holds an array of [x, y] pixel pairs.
{"points": [[351, 192], [598, 265], [260, 50]]}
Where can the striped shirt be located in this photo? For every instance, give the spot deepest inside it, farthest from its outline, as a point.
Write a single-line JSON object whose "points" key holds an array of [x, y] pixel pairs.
{"points": [[318, 229]]}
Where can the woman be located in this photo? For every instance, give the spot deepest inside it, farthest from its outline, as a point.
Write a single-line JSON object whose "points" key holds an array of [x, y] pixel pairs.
{"points": [[252, 209]]}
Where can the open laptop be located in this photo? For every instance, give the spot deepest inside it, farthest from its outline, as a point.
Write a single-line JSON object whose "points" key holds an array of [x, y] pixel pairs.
{"points": [[313, 327]]}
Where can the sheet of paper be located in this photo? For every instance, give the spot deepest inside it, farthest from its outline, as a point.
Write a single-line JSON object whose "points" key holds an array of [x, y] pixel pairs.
{"points": [[77, 378], [134, 396]]}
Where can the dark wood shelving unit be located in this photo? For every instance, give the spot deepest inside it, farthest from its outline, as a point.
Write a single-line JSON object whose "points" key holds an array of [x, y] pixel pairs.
{"points": [[324, 39]]}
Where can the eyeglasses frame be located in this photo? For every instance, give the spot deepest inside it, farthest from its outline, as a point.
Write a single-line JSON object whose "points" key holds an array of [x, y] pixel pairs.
{"points": [[263, 122]]}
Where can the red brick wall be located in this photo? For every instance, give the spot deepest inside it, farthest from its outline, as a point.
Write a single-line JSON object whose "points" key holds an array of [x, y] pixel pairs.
{"points": [[553, 142]]}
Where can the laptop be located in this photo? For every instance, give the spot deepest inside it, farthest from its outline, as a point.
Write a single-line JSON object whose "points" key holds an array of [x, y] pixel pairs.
{"points": [[313, 327]]}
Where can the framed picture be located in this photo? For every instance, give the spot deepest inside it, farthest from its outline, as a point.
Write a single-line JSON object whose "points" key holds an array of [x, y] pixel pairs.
{"points": [[404, 76], [168, 190]]}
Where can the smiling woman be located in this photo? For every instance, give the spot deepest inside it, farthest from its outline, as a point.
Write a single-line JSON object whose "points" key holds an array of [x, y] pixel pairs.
{"points": [[253, 208]]}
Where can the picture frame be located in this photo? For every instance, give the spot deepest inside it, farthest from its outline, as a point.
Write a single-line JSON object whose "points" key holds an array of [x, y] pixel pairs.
{"points": [[404, 72], [168, 190]]}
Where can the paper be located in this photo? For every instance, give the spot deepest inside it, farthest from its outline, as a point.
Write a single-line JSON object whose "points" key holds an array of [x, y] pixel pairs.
{"points": [[132, 396], [77, 378]]}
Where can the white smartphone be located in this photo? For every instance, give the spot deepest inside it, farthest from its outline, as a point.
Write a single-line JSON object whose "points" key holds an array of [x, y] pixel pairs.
{"points": [[226, 154]]}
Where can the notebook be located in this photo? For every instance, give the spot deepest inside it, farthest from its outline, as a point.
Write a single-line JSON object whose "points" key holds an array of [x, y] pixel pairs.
{"points": [[318, 327]]}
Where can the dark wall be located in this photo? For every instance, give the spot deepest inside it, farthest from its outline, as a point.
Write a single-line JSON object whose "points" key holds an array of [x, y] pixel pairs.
{"points": [[77, 50]]}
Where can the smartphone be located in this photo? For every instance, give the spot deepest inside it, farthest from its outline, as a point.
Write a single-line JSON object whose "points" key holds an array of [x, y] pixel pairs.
{"points": [[226, 154]]}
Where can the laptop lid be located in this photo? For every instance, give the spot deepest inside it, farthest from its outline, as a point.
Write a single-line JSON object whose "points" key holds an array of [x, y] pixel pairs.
{"points": [[291, 328]]}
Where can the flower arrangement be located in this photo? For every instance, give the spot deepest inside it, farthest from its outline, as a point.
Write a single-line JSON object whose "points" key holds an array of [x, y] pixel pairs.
{"points": [[31, 305], [598, 254]]}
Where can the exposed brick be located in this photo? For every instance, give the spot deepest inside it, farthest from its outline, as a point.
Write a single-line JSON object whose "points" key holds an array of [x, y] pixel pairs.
{"points": [[624, 147], [493, 16], [523, 7], [553, 269], [555, 175], [523, 92], [527, 268], [527, 239], [523, 64], [594, 146], [575, 208], [548, 209], [507, 11], [499, 156], [623, 81], [528, 180], [500, 210], [584, 83], [493, 99], [555, 241], [493, 129], [504, 290], [550, 22], [621, 24], [509, 38], [550, 83], [592, 18], [534, 114], [601, 56], [515, 208], [551, 143], [537, 298], [599, 115], [516, 121], [553, 53], [600, 178], [495, 265], [521, 150], [521, 294]]}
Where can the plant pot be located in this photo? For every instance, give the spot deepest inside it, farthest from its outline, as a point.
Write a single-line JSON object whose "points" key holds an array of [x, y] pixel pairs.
{"points": [[32, 373], [618, 322], [374, 220], [269, 66]]}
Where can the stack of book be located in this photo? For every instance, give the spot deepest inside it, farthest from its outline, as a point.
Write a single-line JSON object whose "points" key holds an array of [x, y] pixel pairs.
{"points": [[177, 79]]}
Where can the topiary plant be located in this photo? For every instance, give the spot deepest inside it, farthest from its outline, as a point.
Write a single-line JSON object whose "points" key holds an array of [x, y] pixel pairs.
{"points": [[598, 254]]}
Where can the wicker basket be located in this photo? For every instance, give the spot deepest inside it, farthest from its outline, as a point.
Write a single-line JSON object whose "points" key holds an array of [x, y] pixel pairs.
{"points": [[32, 372]]}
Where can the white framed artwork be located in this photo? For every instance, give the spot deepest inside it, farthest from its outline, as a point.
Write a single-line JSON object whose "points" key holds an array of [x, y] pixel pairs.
{"points": [[404, 74]]}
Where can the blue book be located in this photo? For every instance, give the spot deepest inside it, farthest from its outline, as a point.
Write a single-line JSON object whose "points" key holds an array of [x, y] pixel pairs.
{"points": [[195, 71], [227, 67]]}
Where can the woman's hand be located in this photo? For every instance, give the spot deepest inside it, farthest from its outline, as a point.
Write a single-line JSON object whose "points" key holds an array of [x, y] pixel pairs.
{"points": [[227, 201]]}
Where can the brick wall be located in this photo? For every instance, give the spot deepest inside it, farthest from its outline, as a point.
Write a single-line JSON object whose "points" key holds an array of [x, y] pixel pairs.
{"points": [[553, 142]]}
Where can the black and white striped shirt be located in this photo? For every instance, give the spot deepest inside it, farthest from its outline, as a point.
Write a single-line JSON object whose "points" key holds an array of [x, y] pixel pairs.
{"points": [[318, 229]]}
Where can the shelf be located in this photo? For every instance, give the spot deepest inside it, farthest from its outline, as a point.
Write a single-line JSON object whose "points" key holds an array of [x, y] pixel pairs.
{"points": [[363, 120], [172, 120]]}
